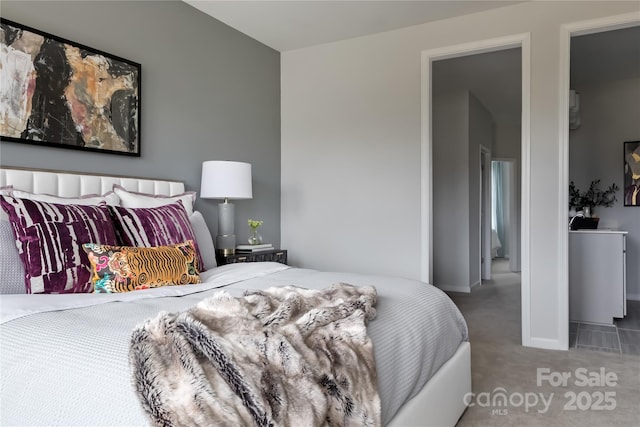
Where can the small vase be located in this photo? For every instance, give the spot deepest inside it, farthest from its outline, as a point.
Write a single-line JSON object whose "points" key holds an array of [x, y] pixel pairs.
{"points": [[587, 211], [254, 237]]}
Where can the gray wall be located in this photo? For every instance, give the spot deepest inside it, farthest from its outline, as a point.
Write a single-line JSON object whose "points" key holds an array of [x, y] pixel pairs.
{"points": [[451, 191], [460, 125], [208, 93], [610, 113]]}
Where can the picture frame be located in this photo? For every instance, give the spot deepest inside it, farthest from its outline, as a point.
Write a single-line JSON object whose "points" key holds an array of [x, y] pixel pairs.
{"points": [[59, 93], [631, 173]]}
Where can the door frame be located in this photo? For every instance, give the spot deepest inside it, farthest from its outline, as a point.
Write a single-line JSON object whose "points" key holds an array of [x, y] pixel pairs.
{"points": [[567, 31], [523, 41]]}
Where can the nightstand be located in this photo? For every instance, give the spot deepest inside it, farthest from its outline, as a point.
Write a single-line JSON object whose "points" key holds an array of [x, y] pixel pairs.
{"points": [[275, 255]]}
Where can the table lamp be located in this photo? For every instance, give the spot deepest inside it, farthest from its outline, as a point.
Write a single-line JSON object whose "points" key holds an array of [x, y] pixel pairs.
{"points": [[228, 181]]}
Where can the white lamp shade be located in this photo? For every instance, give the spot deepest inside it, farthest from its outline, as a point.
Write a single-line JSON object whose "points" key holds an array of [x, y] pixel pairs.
{"points": [[226, 180]]}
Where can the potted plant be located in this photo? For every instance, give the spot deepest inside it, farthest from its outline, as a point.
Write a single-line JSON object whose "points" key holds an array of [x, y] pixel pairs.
{"points": [[586, 201], [254, 237]]}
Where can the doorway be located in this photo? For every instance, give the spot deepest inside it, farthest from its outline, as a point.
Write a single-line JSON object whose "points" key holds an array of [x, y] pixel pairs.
{"points": [[504, 212], [486, 214], [477, 115], [568, 31], [432, 191], [604, 99]]}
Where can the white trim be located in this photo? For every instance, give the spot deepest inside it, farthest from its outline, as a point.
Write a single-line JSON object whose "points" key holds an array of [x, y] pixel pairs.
{"points": [[426, 175], [546, 343], [459, 288], [456, 288], [427, 57], [566, 32], [600, 25], [563, 202], [525, 192]]}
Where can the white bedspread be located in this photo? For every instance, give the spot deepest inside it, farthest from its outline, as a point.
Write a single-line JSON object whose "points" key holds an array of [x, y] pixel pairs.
{"points": [[64, 358]]}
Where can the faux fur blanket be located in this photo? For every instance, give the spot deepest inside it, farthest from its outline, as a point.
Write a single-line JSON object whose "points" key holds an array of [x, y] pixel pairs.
{"points": [[285, 356]]}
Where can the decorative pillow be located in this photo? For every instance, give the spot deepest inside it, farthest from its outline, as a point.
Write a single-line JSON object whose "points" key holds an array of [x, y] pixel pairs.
{"points": [[161, 226], [11, 269], [110, 198], [131, 199], [204, 240], [126, 268], [49, 238]]}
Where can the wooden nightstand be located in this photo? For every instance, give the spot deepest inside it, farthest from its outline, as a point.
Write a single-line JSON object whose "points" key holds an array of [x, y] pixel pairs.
{"points": [[275, 255]]}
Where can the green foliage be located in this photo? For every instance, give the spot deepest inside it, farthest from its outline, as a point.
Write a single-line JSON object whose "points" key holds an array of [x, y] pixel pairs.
{"points": [[254, 223], [593, 197]]}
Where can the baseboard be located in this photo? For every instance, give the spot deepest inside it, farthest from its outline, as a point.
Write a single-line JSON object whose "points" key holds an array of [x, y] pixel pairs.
{"points": [[545, 343], [633, 297], [476, 284], [455, 288]]}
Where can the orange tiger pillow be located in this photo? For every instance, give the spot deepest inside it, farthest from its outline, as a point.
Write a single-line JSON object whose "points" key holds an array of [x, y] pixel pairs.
{"points": [[126, 268]]}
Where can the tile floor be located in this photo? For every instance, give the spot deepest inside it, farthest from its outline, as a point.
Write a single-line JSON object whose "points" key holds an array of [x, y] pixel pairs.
{"points": [[623, 337]]}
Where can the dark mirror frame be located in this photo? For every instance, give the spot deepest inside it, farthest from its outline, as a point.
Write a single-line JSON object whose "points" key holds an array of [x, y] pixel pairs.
{"points": [[631, 167]]}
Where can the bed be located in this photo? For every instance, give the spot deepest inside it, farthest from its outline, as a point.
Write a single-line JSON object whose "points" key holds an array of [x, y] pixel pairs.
{"points": [[64, 357]]}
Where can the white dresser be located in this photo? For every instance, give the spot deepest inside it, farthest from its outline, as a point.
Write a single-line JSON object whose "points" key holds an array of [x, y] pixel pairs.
{"points": [[597, 276]]}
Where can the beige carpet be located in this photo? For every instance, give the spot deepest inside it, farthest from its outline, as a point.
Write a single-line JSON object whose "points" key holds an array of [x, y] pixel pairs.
{"points": [[499, 361]]}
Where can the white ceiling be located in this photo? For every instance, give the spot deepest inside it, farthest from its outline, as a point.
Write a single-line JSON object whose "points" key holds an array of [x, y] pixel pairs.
{"points": [[292, 24]]}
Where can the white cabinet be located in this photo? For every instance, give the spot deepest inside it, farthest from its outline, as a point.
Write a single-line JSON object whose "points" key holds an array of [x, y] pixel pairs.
{"points": [[597, 276]]}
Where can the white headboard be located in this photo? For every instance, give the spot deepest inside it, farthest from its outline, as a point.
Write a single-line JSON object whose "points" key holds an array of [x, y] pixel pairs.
{"points": [[75, 184]]}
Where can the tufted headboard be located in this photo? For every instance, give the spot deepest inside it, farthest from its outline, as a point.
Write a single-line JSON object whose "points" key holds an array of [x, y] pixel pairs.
{"points": [[75, 184]]}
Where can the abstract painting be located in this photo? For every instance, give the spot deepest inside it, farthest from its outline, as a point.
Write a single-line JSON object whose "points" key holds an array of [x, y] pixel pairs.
{"points": [[632, 173], [59, 93]]}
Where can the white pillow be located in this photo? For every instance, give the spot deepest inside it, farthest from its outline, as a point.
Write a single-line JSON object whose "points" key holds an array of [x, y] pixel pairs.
{"points": [[131, 199], [11, 268], [110, 198], [204, 240], [5, 191]]}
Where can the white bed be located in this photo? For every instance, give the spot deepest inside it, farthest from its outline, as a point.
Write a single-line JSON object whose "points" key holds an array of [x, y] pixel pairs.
{"points": [[414, 391]]}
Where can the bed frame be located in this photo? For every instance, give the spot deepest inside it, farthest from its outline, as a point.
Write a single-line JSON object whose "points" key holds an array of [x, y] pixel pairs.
{"points": [[440, 403], [74, 184]]}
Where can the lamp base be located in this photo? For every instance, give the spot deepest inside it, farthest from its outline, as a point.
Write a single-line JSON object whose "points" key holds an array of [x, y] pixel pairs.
{"points": [[226, 238], [225, 252], [226, 244]]}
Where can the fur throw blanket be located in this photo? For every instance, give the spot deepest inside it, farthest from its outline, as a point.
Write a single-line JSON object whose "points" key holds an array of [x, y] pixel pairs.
{"points": [[285, 356]]}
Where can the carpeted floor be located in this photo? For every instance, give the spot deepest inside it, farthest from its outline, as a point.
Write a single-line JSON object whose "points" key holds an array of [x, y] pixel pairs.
{"points": [[600, 389]]}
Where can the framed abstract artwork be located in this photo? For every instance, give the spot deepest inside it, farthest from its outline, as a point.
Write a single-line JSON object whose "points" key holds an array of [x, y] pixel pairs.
{"points": [[58, 93], [632, 173]]}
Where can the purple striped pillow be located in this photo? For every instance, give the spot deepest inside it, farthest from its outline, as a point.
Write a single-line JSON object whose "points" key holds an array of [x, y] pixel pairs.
{"points": [[50, 236], [148, 227]]}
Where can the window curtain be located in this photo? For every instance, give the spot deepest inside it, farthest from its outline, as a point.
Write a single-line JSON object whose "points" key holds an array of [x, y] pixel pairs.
{"points": [[497, 208]]}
